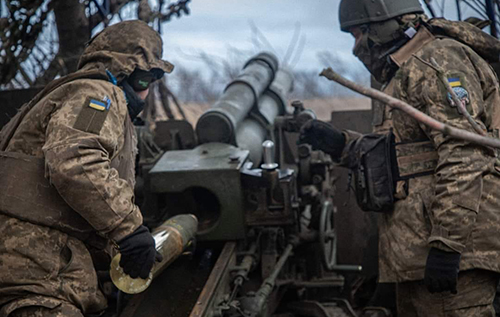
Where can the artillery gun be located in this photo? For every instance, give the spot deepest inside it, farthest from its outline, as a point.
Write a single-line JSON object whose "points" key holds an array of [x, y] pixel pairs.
{"points": [[266, 243]]}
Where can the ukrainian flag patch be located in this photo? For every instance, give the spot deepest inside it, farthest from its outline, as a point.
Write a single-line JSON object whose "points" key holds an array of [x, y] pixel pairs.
{"points": [[460, 91], [98, 105], [454, 82], [93, 115]]}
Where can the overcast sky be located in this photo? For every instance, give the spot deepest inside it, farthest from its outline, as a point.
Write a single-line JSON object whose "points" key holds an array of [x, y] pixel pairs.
{"points": [[216, 26]]}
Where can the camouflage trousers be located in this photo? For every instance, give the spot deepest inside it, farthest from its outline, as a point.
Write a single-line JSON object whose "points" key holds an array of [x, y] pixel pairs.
{"points": [[62, 310], [44, 272], [476, 291]]}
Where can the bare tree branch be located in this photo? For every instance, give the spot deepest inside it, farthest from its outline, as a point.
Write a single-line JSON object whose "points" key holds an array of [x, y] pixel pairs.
{"points": [[293, 44], [21, 35], [414, 113], [261, 36], [115, 7]]}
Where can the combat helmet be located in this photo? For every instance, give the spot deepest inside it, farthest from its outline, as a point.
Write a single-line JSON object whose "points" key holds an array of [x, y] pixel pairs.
{"points": [[124, 47], [358, 12]]}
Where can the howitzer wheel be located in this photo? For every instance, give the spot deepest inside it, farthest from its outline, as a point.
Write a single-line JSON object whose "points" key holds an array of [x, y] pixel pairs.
{"points": [[328, 236]]}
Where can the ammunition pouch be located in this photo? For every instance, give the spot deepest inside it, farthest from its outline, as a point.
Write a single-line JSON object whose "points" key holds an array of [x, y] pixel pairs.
{"points": [[378, 163], [27, 195], [372, 161]]}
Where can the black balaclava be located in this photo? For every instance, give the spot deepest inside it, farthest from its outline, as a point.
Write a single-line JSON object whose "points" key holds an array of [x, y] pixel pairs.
{"points": [[375, 59], [380, 40]]}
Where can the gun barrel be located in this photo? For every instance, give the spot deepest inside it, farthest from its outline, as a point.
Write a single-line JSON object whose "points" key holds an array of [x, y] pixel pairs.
{"points": [[252, 132], [171, 238], [219, 124]]}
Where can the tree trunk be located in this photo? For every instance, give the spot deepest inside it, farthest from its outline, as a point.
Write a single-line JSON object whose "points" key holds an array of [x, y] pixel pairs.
{"points": [[73, 29]]}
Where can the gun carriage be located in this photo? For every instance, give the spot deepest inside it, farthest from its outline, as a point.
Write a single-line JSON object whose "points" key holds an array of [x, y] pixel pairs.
{"points": [[266, 242]]}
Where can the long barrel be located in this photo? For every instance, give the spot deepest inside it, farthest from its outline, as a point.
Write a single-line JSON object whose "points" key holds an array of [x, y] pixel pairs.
{"points": [[254, 129], [220, 123], [171, 238]]}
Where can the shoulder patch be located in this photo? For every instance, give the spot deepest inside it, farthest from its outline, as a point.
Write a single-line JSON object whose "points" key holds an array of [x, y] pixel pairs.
{"points": [[93, 114], [460, 91]]}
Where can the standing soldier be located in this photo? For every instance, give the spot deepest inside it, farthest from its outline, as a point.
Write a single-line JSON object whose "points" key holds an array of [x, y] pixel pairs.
{"points": [[67, 178], [438, 196]]}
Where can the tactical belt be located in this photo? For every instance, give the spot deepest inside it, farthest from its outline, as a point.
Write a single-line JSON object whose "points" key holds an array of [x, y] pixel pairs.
{"points": [[378, 164], [26, 194]]}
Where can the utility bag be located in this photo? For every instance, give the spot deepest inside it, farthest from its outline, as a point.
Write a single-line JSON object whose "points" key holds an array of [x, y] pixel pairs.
{"points": [[374, 167]]}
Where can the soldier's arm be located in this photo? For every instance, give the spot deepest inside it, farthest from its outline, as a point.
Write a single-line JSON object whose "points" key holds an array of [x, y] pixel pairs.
{"points": [[350, 141], [461, 164], [326, 137], [81, 139]]}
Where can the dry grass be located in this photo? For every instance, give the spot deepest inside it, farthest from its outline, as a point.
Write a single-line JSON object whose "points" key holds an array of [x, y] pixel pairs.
{"points": [[322, 107]]}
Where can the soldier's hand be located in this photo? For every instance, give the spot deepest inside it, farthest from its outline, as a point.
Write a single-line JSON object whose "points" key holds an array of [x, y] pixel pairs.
{"points": [[323, 136], [441, 271], [138, 253]]}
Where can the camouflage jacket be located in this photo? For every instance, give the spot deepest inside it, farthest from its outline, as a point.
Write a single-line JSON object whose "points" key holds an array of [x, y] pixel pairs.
{"points": [[457, 207], [78, 162], [82, 130]]}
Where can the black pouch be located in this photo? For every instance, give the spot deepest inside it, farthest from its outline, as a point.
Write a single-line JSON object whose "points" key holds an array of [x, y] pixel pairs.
{"points": [[372, 163]]}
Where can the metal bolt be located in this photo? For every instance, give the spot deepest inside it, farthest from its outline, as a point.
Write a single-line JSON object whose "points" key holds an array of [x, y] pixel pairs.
{"points": [[234, 158], [298, 106], [269, 163]]}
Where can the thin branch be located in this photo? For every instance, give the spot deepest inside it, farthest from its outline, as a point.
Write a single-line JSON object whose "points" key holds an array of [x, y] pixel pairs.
{"points": [[293, 44], [414, 113], [15, 81], [440, 7], [25, 76], [461, 108], [479, 4], [429, 7], [498, 6], [481, 14], [174, 99], [115, 6], [261, 36], [299, 51], [165, 103]]}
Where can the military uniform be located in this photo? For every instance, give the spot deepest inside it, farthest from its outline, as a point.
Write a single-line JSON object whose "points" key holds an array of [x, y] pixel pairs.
{"points": [[449, 196], [68, 178]]}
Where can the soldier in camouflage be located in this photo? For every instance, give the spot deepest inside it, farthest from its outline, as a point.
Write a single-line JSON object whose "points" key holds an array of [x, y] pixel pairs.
{"points": [[440, 241], [67, 178]]}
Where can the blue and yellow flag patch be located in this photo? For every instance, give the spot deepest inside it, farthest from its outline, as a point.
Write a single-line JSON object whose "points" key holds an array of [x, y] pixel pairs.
{"points": [[93, 115], [461, 92], [454, 82], [100, 105]]}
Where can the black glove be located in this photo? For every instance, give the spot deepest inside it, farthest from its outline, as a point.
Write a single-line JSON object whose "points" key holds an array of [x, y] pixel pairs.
{"points": [[138, 253], [323, 136], [441, 271]]}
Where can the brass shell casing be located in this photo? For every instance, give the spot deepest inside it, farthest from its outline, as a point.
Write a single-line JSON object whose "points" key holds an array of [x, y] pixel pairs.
{"points": [[171, 238]]}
